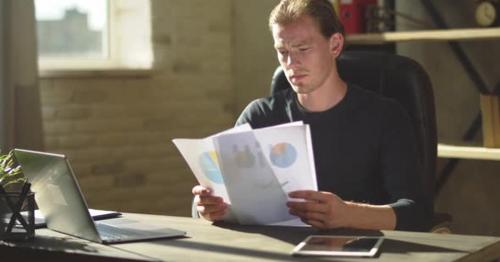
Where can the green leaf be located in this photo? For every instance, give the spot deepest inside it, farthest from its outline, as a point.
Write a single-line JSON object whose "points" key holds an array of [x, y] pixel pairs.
{"points": [[10, 171]]}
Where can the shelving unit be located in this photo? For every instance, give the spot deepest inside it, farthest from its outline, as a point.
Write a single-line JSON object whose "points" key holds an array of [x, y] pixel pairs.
{"points": [[452, 152], [428, 35], [469, 34], [468, 152]]}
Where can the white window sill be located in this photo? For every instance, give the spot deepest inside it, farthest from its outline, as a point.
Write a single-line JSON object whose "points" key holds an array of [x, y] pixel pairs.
{"points": [[94, 73]]}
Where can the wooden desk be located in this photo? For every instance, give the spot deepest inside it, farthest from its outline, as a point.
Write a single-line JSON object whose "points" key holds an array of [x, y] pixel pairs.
{"points": [[206, 242]]}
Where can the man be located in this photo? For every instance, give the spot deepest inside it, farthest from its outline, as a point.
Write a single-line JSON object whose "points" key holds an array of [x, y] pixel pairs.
{"points": [[364, 146]]}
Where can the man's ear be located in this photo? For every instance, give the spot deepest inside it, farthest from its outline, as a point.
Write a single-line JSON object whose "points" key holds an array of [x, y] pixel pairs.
{"points": [[336, 44]]}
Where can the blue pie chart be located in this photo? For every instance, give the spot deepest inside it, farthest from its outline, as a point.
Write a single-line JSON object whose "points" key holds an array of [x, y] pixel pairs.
{"points": [[210, 166], [283, 155]]}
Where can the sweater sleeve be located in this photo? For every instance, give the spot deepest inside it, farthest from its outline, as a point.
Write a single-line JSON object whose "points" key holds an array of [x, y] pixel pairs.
{"points": [[400, 172]]}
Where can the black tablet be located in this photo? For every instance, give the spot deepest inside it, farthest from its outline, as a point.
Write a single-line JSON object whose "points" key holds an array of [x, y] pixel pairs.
{"points": [[328, 245]]}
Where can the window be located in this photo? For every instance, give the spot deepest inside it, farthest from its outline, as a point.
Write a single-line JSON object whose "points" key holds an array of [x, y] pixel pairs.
{"points": [[93, 34], [72, 28]]}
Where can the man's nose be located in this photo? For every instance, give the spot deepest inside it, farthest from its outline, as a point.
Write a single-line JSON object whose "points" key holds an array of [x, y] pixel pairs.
{"points": [[292, 60]]}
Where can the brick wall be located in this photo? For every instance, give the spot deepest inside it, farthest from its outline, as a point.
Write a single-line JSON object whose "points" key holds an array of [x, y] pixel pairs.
{"points": [[117, 131]]}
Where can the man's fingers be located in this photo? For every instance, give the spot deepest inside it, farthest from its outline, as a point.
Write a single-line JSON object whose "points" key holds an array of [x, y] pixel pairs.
{"points": [[200, 190], [210, 209], [217, 215], [308, 215], [315, 216], [312, 206], [212, 212], [316, 223], [209, 200], [301, 215], [310, 195], [319, 209]]}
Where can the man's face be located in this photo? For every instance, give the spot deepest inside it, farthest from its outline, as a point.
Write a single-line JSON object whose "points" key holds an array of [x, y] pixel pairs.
{"points": [[306, 56]]}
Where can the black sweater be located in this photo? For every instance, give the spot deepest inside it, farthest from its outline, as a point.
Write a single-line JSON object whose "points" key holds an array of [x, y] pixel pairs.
{"points": [[364, 150]]}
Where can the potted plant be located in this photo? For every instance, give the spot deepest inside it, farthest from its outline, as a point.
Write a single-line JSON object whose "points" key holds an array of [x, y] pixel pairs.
{"points": [[15, 197], [10, 172]]}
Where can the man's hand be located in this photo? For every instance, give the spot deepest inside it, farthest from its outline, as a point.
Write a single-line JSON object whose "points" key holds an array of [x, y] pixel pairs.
{"points": [[325, 210], [320, 209], [210, 207]]}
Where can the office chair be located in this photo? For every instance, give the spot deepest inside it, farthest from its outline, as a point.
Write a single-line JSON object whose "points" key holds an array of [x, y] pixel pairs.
{"points": [[404, 80]]}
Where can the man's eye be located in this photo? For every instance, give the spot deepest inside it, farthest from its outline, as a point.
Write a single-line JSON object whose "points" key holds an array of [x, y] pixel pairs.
{"points": [[303, 49], [282, 52]]}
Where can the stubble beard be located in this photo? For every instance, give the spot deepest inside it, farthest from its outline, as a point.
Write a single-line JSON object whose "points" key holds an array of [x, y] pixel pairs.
{"points": [[303, 89]]}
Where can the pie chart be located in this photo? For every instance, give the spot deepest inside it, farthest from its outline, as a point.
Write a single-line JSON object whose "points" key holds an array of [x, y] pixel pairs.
{"points": [[210, 166], [283, 155]]}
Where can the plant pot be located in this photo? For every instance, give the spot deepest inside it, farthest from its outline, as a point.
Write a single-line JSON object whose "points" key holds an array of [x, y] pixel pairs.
{"points": [[17, 215]]}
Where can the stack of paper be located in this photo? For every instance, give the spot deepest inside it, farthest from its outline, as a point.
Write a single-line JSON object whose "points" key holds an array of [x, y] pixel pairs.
{"points": [[254, 169]]}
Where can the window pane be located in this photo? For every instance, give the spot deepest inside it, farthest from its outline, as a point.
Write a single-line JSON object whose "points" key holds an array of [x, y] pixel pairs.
{"points": [[72, 28]]}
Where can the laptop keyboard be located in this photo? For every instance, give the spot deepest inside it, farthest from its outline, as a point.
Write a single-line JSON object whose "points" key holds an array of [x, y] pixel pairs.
{"points": [[114, 234]]}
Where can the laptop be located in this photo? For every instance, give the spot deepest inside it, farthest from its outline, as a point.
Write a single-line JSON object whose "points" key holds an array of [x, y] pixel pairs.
{"points": [[96, 214], [61, 201]]}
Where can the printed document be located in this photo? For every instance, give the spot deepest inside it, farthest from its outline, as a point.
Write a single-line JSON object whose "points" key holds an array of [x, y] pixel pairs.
{"points": [[254, 169]]}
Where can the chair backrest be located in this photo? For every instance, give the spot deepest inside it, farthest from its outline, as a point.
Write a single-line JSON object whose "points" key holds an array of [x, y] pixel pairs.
{"points": [[402, 79]]}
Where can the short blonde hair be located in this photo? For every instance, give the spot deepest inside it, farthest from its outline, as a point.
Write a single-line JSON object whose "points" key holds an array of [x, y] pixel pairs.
{"points": [[322, 11]]}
